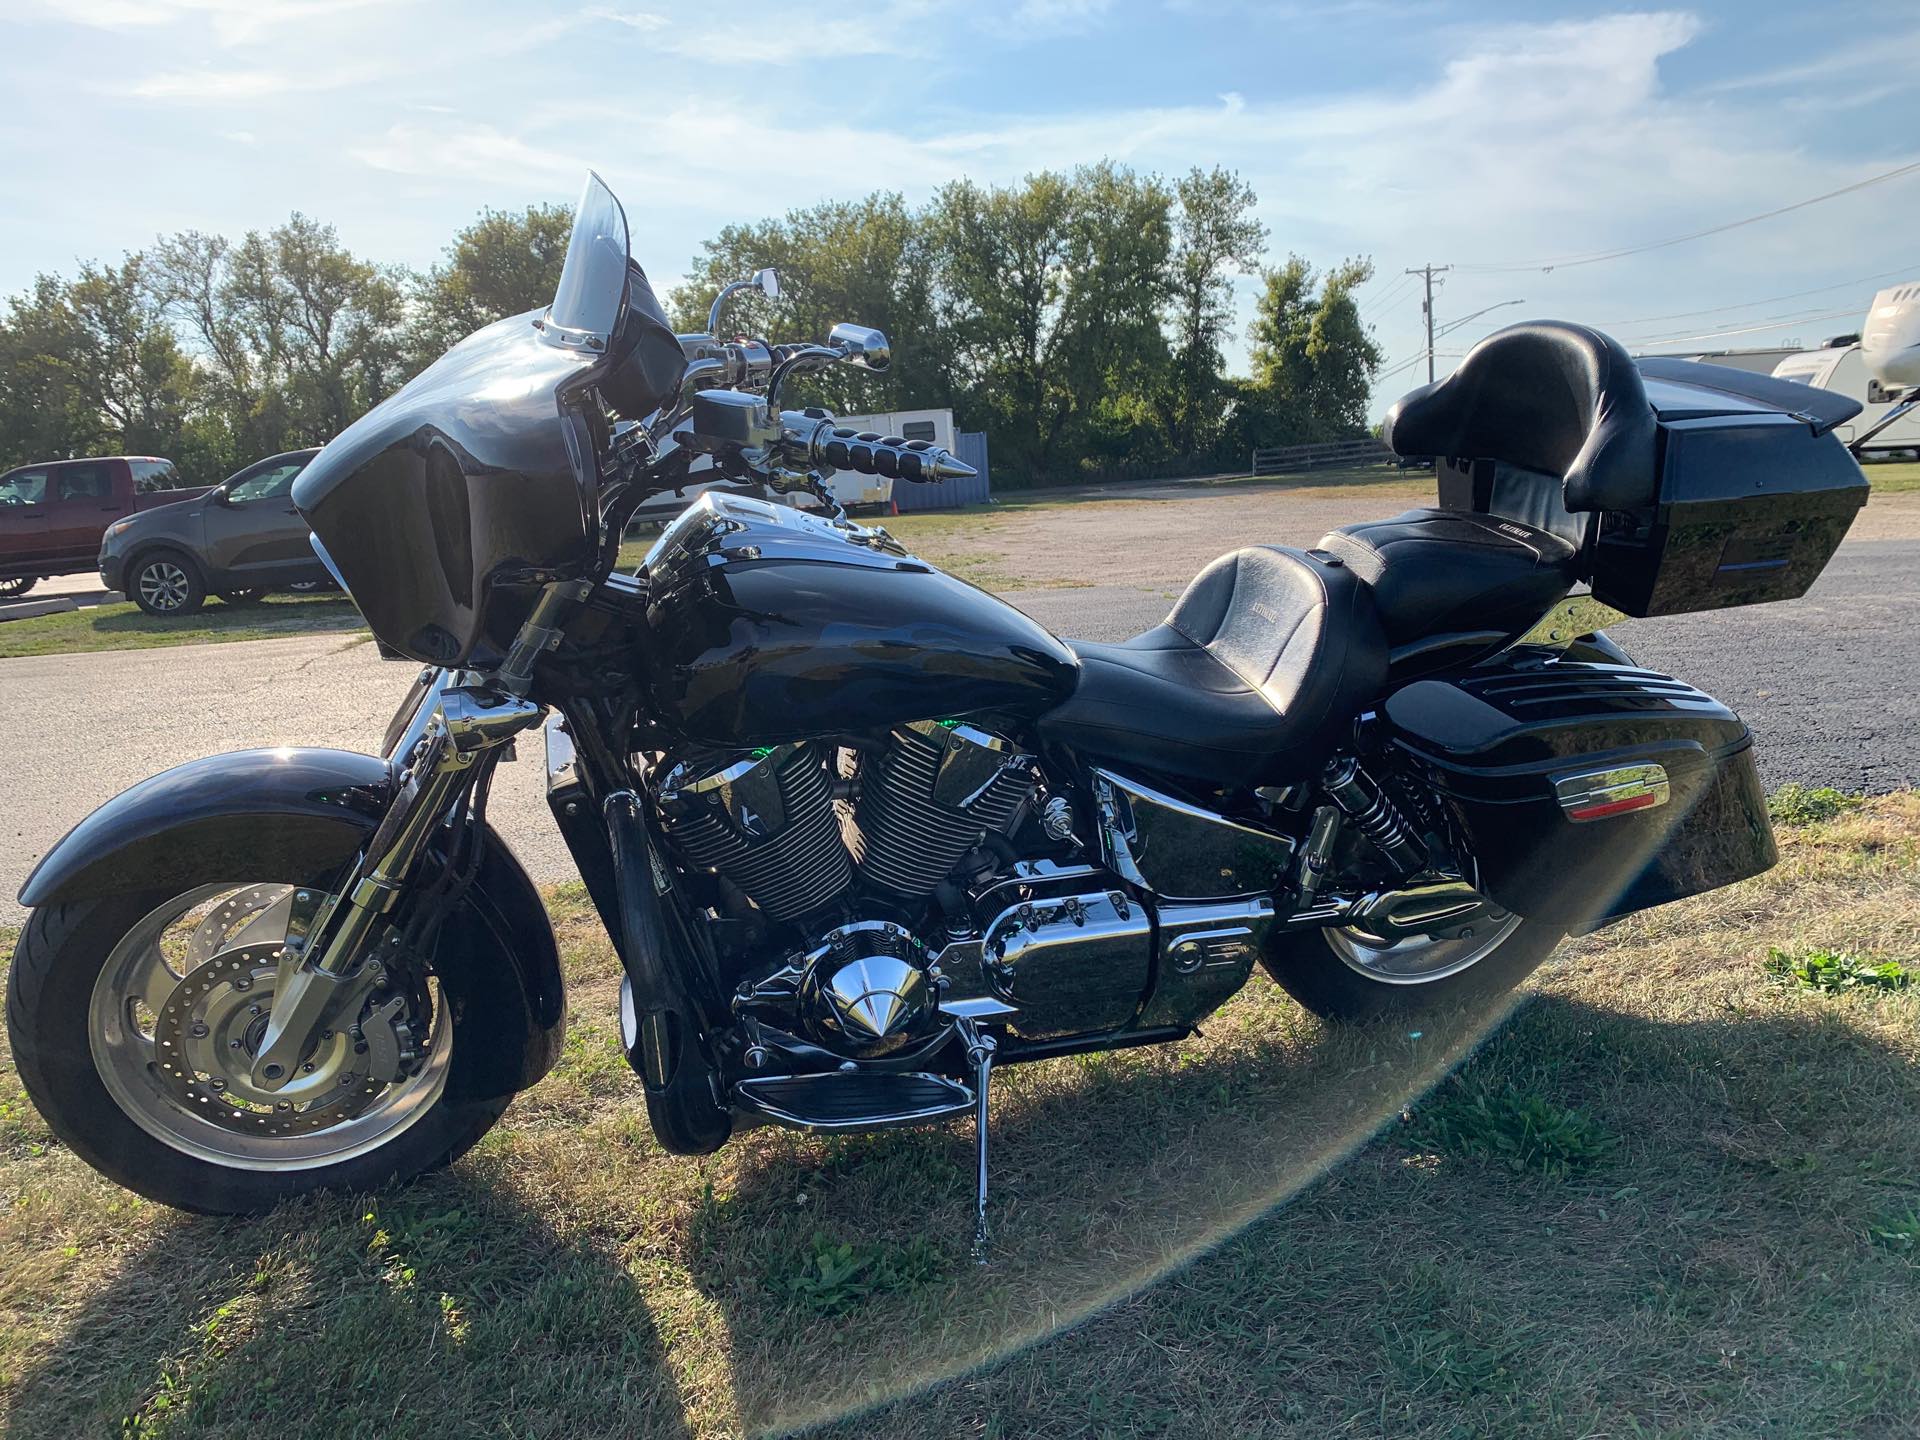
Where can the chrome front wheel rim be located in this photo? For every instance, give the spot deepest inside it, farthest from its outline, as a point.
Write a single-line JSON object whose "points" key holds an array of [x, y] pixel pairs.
{"points": [[189, 986], [163, 585], [1421, 959]]}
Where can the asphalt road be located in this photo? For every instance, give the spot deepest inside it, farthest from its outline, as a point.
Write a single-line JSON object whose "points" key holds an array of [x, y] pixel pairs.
{"points": [[1830, 683]]}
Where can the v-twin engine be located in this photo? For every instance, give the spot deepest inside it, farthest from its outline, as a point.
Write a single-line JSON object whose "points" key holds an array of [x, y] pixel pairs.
{"points": [[792, 825]]}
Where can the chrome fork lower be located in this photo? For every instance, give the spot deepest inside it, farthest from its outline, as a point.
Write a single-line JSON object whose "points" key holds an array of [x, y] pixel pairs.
{"points": [[452, 730]]}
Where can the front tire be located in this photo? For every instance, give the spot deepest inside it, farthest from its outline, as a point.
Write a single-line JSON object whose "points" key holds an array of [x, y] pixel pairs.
{"points": [[15, 586], [126, 1125], [167, 583], [1340, 974]]}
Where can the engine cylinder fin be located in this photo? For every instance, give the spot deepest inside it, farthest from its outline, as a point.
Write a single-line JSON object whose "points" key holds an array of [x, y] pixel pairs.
{"points": [[929, 798], [765, 822]]}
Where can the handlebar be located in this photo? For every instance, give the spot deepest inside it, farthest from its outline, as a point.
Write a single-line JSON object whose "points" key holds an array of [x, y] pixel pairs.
{"points": [[813, 437]]}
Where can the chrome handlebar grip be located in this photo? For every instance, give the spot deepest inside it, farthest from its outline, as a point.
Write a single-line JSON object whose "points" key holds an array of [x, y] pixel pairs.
{"points": [[809, 438]]}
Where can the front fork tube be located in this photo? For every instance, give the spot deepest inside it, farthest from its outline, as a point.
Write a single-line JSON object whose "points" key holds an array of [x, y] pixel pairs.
{"points": [[433, 760]]}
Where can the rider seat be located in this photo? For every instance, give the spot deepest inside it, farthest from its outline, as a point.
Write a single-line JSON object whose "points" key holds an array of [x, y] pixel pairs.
{"points": [[1440, 572], [1252, 677]]}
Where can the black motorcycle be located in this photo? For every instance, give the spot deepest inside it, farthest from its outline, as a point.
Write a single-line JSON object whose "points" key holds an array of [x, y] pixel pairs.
{"points": [[862, 832]]}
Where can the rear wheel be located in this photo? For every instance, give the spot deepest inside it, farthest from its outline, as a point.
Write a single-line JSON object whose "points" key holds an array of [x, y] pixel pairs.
{"points": [[167, 583], [1342, 973], [134, 1020], [15, 586]]}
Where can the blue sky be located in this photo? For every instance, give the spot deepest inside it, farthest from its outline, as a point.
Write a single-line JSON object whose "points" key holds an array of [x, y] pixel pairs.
{"points": [[1466, 133]]}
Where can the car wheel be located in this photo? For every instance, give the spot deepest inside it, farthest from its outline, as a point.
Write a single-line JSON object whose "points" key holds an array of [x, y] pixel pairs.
{"points": [[17, 586], [167, 583], [243, 597]]}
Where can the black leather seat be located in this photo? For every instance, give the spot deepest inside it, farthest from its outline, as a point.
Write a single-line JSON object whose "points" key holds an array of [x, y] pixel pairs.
{"points": [[1254, 675], [1440, 572]]}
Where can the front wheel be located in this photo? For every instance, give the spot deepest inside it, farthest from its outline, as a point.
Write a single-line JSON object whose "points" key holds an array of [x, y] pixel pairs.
{"points": [[15, 586], [134, 1020], [1344, 974], [167, 583]]}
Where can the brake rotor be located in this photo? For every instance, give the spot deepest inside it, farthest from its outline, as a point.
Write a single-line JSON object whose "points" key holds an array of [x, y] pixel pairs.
{"points": [[208, 1032], [240, 916]]}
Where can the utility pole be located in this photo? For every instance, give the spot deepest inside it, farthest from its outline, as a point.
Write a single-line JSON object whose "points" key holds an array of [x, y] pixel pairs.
{"points": [[1427, 272]]}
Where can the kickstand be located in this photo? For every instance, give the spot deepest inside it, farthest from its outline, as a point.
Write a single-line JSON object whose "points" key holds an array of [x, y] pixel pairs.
{"points": [[980, 1050]]}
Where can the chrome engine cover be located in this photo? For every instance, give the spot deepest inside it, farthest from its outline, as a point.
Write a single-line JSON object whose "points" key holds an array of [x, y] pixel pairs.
{"points": [[866, 991], [1062, 951]]}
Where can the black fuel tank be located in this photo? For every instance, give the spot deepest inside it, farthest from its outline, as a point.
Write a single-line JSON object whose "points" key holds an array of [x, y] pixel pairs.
{"points": [[768, 624]]}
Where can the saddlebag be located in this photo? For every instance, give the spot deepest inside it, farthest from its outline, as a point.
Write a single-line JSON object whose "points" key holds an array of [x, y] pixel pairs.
{"points": [[1586, 791]]}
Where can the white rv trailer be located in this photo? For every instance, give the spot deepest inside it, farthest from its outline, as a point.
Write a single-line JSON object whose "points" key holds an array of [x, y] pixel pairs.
{"points": [[1843, 369], [1890, 340], [1879, 369]]}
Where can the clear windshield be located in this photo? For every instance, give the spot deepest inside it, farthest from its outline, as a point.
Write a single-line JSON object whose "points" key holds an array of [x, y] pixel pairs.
{"points": [[586, 303]]}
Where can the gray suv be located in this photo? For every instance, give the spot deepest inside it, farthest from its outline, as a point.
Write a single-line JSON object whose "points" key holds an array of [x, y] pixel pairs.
{"points": [[237, 541]]}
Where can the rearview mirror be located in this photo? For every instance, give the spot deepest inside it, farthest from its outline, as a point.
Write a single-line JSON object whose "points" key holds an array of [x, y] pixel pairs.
{"points": [[765, 281], [865, 347]]}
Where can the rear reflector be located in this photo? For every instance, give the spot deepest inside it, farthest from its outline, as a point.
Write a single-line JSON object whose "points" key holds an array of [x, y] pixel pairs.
{"points": [[1617, 790]]}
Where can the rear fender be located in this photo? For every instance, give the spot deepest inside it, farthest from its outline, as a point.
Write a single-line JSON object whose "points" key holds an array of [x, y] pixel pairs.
{"points": [[291, 813]]}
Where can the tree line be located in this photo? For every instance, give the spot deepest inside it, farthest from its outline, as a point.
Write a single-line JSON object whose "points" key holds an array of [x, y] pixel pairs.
{"points": [[1081, 318]]}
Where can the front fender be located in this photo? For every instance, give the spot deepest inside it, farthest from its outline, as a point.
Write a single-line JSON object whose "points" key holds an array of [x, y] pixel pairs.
{"points": [[291, 814]]}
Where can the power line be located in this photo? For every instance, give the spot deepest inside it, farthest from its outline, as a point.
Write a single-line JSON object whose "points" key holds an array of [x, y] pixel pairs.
{"points": [[1777, 323], [1595, 259], [1377, 313], [1770, 300]]}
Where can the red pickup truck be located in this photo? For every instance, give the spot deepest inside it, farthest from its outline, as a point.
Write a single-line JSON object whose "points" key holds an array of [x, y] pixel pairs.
{"points": [[52, 515]]}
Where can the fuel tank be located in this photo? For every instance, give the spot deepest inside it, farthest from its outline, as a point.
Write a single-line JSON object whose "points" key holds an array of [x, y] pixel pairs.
{"points": [[770, 624]]}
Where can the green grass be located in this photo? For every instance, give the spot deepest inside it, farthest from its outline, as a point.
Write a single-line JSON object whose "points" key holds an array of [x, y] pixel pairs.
{"points": [[1794, 804], [1893, 477], [127, 627], [1523, 1130], [1667, 1196], [1834, 970]]}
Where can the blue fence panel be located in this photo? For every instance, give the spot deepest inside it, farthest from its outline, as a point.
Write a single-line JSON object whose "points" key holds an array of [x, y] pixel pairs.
{"points": [[951, 494]]}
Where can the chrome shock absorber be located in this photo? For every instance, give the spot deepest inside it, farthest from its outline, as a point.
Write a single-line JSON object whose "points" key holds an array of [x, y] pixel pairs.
{"points": [[1374, 812]]}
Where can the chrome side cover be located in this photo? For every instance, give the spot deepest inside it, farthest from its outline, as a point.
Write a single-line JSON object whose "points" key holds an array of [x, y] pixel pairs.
{"points": [[1180, 851]]}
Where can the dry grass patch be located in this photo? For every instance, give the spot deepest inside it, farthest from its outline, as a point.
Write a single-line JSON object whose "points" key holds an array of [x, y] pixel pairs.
{"points": [[1670, 1195]]}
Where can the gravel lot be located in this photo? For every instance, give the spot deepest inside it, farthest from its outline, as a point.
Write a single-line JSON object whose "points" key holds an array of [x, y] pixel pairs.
{"points": [[1828, 682]]}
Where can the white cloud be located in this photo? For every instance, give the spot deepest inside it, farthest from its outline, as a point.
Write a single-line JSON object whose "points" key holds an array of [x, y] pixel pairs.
{"points": [[233, 22], [1056, 16], [633, 19], [468, 151]]}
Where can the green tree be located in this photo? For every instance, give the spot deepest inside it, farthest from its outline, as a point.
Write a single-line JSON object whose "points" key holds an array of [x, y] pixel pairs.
{"points": [[867, 261], [1216, 237], [125, 361], [1052, 291], [91, 365], [505, 263], [339, 320], [43, 411], [1313, 359]]}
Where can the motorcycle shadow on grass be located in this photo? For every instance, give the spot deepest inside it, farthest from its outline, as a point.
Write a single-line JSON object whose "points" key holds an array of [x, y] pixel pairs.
{"points": [[1703, 1176], [444, 1308], [805, 1278], [478, 1299]]}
